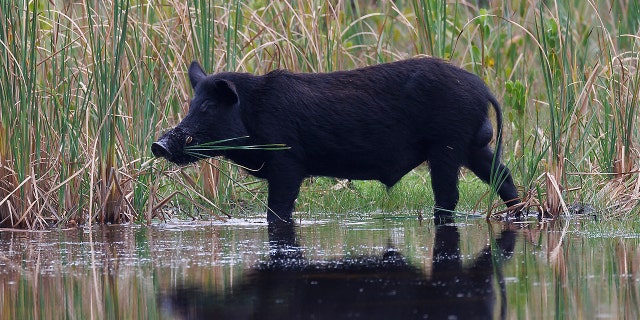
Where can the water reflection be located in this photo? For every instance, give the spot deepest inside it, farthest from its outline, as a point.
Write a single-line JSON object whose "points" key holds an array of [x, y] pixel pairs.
{"points": [[290, 286], [338, 265]]}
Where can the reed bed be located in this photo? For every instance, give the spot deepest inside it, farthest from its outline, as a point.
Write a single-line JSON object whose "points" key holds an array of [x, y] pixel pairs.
{"points": [[86, 86]]}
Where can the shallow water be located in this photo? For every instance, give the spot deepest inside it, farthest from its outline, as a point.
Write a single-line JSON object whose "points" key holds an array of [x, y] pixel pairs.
{"points": [[365, 266]]}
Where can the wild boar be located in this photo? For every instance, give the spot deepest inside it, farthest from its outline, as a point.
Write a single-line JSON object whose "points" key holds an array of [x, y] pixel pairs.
{"points": [[373, 123]]}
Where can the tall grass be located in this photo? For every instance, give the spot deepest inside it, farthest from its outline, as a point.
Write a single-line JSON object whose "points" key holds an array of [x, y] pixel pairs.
{"points": [[86, 87], [83, 88]]}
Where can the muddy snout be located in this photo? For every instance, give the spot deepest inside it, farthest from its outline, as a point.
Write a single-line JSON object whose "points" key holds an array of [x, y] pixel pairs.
{"points": [[171, 146]]}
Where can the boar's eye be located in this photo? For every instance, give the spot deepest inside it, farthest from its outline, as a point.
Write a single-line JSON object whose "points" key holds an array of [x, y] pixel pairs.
{"points": [[206, 104]]}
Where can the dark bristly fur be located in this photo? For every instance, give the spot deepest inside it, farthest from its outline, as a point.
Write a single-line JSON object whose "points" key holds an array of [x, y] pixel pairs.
{"points": [[373, 123]]}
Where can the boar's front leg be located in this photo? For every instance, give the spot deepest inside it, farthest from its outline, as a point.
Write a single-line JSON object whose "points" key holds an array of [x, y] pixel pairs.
{"points": [[284, 186], [444, 181]]}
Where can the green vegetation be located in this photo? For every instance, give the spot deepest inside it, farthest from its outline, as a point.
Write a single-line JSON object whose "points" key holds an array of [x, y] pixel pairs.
{"points": [[86, 87]]}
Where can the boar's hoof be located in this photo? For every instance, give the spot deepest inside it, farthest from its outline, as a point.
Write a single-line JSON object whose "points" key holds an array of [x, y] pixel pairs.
{"points": [[160, 149]]}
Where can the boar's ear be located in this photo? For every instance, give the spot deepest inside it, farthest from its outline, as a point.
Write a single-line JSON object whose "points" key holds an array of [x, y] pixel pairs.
{"points": [[196, 74], [225, 92]]}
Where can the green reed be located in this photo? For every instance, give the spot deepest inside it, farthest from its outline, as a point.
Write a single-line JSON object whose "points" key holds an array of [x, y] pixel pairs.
{"points": [[436, 20], [107, 45], [20, 114]]}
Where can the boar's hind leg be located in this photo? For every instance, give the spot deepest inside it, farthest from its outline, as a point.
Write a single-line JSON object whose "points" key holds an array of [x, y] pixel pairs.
{"points": [[283, 191], [483, 163], [444, 182]]}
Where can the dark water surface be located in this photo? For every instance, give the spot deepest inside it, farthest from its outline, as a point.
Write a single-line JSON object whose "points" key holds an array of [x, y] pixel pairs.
{"points": [[366, 266]]}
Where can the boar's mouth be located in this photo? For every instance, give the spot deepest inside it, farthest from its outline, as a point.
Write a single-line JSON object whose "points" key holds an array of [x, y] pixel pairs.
{"points": [[180, 148], [171, 146]]}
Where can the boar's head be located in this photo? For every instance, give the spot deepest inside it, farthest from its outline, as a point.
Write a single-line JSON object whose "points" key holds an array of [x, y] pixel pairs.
{"points": [[212, 124]]}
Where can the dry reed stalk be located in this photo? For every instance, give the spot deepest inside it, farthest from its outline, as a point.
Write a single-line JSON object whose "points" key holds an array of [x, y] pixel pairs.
{"points": [[555, 204], [7, 183], [211, 178], [528, 203], [621, 194]]}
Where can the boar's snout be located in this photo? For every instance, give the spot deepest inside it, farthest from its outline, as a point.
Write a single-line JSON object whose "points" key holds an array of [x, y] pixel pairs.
{"points": [[160, 149], [171, 146]]}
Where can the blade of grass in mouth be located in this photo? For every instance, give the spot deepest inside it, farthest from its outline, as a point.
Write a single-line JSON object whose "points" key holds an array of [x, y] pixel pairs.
{"points": [[215, 146], [274, 146], [218, 142]]}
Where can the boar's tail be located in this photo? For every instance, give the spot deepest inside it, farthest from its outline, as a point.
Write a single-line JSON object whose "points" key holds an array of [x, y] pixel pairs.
{"points": [[498, 109]]}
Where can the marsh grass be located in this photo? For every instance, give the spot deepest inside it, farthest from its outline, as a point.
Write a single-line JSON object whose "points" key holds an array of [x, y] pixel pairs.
{"points": [[85, 87]]}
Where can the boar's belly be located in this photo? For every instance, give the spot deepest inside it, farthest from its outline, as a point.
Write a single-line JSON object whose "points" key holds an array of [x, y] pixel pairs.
{"points": [[385, 167]]}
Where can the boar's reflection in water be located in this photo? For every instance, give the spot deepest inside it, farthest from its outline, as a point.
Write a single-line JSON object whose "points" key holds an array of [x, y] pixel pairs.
{"points": [[373, 123], [288, 286]]}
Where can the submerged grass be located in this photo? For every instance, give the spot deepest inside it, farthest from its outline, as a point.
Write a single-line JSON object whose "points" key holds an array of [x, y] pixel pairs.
{"points": [[86, 86]]}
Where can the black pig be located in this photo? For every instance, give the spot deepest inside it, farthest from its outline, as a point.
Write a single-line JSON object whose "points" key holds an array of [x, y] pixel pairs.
{"points": [[373, 123]]}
